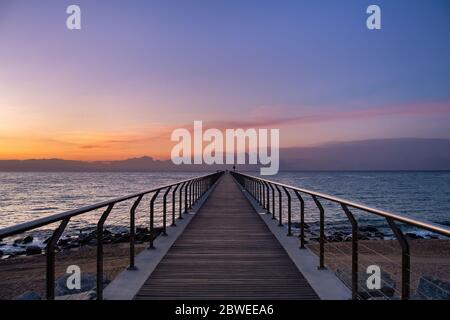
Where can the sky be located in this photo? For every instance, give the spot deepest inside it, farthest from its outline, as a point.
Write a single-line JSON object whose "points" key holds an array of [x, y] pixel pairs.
{"points": [[139, 69]]}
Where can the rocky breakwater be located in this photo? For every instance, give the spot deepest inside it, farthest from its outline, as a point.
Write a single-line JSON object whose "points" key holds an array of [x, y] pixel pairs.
{"points": [[34, 245], [364, 233]]}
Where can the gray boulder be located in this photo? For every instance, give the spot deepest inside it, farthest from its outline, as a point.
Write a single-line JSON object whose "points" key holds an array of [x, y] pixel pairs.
{"points": [[29, 295], [413, 236], [88, 283], [430, 288], [88, 295], [368, 229], [32, 250], [386, 291], [27, 239]]}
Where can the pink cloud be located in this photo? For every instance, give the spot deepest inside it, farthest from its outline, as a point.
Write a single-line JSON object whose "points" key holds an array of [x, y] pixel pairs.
{"points": [[271, 119]]}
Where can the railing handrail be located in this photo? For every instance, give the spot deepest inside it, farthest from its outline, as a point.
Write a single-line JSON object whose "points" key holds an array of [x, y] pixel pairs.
{"points": [[442, 230], [40, 222]]}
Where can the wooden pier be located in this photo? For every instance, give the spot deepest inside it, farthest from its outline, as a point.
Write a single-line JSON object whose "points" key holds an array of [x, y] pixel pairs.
{"points": [[227, 246], [226, 252]]}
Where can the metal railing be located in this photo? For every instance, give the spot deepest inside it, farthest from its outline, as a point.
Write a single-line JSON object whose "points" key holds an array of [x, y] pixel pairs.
{"points": [[193, 190], [265, 193]]}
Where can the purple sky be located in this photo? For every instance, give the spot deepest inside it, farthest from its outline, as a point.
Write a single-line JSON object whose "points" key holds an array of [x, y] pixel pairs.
{"points": [[137, 69]]}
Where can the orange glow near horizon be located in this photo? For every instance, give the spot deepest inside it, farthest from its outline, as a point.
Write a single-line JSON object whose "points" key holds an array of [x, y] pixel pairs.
{"points": [[44, 140], [86, 147]]}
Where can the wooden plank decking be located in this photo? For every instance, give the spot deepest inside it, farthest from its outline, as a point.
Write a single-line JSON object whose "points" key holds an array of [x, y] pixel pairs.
{"points": [[226, 252]]}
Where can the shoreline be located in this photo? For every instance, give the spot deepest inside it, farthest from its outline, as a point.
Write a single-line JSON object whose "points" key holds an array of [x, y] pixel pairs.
{"points": [[33, 243]]}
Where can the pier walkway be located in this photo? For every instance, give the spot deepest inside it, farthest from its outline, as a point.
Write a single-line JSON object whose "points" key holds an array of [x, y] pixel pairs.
{"points": [[226, 252]]}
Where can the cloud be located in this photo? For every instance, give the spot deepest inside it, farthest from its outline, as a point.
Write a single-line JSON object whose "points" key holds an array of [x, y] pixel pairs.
{"points": [[271, 119], [91, 147], [155, 138]]}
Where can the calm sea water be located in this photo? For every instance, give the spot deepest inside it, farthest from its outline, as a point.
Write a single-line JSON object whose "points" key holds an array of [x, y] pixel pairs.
{"points": [[27, 196], [420, 195]]}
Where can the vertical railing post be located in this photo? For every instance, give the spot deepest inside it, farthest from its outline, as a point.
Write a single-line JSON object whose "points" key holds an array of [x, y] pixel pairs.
{"points": [[100, 225], [302, 220], [186, 196], [174, 194], [180, 208], [191, 193], [354, 224], [406, 263], [273, 200], [280, 207], [197, 190], [258, 191], [253, 186], [263, 185], [261, 194], [194, 192], [289, 212], [260, 201], [267, 197], [164, 232], [50, 256], [133, 231], [152, 218], [322, 232]]}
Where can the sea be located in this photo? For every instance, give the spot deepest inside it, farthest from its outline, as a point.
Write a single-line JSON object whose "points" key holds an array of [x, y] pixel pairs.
{"points": [[25, 196]]}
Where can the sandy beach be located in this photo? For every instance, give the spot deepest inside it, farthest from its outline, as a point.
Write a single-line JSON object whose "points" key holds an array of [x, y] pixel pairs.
{"points": [[27, 273], [428, 258]]}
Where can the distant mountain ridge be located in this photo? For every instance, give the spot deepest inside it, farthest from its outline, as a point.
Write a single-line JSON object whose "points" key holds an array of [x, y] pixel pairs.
{"points": [[386, 154], [382, 154], [142, 164], [134, 164]]}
